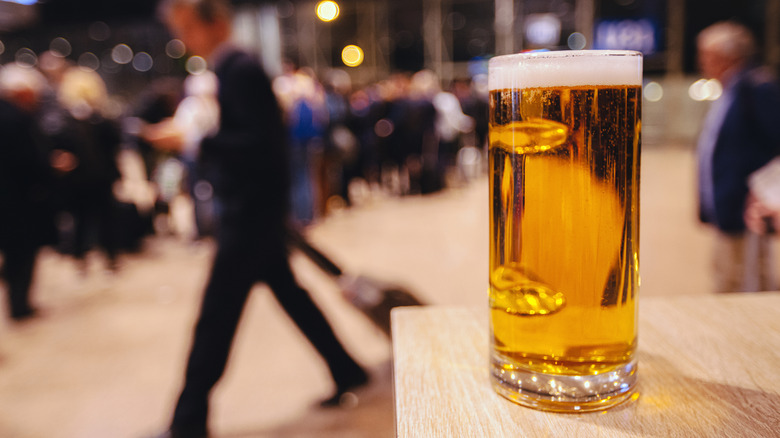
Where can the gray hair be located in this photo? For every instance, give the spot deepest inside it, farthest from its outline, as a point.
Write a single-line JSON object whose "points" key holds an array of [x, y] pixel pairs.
{"points": [[729, 39]]}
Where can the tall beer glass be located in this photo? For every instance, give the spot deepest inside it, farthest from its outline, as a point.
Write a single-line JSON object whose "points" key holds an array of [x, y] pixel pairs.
{"points": [[564, 227]]}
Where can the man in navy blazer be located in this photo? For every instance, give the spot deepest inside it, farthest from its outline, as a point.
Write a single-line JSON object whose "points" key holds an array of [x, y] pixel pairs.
{"points": [[741, 133], [246, 162]]}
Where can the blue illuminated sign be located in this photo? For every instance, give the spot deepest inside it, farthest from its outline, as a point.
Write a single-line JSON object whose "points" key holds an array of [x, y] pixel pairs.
{"points": [[628, 34]]}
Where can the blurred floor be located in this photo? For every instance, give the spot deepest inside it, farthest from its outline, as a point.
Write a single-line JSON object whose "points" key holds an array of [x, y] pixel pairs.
{"points": [[106, 357]]}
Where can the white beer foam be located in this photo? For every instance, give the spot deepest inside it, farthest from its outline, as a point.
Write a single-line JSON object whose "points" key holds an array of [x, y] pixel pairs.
{"points": [[569, 68]]}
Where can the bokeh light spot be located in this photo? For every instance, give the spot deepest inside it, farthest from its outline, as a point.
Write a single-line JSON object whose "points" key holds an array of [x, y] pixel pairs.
{"points": [[143, 62], [99, 31], [196, 65], [285, 9], [384, 128], [89, 61], [60, 46], [327, 10], [352, 56], [175, 49], [705, 89], [26, 57], [577, 41], [653, 92], [122, 54]]}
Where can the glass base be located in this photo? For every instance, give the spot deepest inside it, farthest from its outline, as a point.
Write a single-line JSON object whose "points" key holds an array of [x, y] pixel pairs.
{"points": [[562, 393]]}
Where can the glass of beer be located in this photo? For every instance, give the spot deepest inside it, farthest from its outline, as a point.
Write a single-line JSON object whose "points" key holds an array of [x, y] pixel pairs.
{"points": [[564, 227]]}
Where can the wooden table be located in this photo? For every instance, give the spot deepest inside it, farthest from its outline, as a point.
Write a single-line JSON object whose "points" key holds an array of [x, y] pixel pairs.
{"points": [[709, 365]]}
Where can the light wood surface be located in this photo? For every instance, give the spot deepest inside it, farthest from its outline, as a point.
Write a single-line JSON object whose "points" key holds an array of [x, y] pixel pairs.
{"points": [[709, 365]]}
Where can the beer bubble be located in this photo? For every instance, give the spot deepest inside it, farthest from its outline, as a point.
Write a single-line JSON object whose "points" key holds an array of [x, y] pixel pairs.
{"points": [[517, 294], [529, 136]]}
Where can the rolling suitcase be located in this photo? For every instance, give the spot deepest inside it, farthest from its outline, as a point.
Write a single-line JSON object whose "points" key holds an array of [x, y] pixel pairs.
{"points": [[373, 297]]}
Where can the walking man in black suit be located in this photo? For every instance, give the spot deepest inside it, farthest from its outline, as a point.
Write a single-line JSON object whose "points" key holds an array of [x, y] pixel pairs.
{"points": [[246, 162]]}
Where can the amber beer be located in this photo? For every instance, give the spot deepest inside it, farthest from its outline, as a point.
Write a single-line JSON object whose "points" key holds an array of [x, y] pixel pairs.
{"points": [[564, 227]]}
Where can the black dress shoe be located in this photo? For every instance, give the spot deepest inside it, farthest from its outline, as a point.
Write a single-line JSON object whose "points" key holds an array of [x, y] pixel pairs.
{"points": [[339, 398], [24, 314]]}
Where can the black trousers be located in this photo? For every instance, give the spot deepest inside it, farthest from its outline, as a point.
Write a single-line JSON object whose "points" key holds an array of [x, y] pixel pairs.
{"points": [[95, 211], [237, 267], [19, 268]]}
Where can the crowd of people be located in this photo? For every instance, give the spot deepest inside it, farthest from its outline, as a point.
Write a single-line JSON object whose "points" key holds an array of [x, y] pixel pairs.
{"points": [[259, 159], [62, 184], [402, 133], [58, 168], [257, 156], [63, 133]]}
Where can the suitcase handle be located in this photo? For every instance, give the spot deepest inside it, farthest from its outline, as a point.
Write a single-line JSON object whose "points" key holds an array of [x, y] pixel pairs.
{"points": [[297, 240]]}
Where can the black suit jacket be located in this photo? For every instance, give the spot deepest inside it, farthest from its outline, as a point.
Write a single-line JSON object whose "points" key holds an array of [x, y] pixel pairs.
{"points": [[246, 160], [25, 182], [748, 139]]}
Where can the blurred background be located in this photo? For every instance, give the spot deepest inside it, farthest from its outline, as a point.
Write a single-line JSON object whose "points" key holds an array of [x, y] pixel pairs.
{"points": [[453, 38], [123, 41], [105, 356]]}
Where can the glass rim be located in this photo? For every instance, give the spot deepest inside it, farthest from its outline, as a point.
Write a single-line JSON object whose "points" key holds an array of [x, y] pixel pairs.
{"points": [[546, 54], [565, 68]]}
